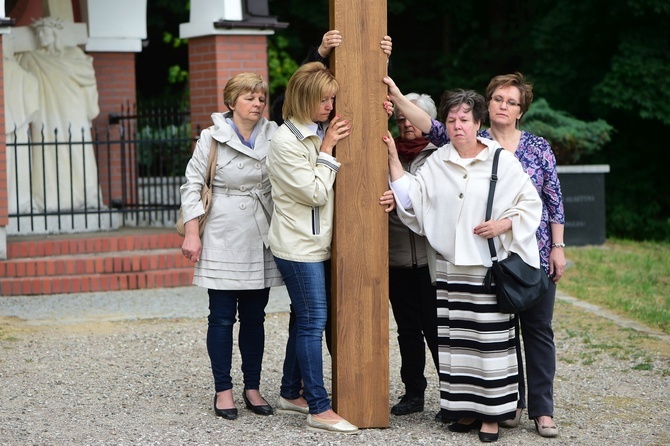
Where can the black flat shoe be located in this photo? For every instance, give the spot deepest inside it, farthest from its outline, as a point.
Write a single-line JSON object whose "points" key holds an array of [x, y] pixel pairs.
{"points": [[263, 409], [228, 414], [408, 404], [442, 417], [488, 437], [463, 428]]}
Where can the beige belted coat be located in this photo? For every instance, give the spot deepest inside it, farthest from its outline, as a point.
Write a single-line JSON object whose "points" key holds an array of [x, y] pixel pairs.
{"points": [[235, 248]]}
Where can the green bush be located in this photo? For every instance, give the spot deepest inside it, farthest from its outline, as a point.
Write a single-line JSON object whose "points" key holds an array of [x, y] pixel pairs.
{"points": [[164, 150], [570, 138], [280, 64]]}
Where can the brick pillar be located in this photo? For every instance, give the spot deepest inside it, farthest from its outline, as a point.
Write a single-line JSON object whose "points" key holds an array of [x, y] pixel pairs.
{"points": [[212, 61], [115, 74]]}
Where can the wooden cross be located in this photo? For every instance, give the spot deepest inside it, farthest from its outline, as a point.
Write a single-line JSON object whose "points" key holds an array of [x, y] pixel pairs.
{"points": [[360, 311]]}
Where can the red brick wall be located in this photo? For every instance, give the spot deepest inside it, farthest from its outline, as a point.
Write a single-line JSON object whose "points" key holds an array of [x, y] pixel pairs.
{"points": [[215, 59], [115, 73]]}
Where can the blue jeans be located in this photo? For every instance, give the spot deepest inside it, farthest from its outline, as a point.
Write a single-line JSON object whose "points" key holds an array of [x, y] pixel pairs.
{"points": [[303, 365], [223, 307]]}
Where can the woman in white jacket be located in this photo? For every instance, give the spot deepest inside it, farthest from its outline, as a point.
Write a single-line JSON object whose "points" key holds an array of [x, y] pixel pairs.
{"points": [[302, 172], [233, 259], [446, 202]]}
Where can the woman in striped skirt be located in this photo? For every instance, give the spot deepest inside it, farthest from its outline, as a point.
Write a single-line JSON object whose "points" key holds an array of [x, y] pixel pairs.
{"points": [[446, 201]]}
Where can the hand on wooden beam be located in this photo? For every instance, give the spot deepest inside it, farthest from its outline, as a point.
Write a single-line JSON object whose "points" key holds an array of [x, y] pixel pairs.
{"points": [[330, 40], [413, 112], [337, 129], [387, 46], [389, 107], [387, 200], [396, 171]]}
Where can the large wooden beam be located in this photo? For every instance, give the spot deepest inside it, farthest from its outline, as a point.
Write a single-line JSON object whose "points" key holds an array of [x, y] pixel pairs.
{"points": [[360, 246]]}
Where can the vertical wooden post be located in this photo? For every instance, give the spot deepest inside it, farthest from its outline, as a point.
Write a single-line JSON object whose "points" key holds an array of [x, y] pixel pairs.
{"points": [[360, 246]]}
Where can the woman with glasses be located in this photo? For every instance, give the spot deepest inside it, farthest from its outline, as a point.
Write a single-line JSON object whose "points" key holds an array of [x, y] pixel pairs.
{"points": [[509, 96], [445, 200]]}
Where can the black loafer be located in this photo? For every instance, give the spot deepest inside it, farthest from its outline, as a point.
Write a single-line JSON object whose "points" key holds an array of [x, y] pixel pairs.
{"points": [[263, 409], [442, 417], [488, 437], [408, 404], [228, 414], [463, 428]]}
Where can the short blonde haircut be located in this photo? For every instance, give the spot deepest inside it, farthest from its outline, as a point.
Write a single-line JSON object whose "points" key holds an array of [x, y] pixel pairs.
{"points": [[241, 84], [308, 85]]}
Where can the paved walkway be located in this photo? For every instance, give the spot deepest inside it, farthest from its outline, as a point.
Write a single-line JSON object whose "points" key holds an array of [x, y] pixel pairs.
{"points": [[185, 302], [156, 303], [72, 374]]}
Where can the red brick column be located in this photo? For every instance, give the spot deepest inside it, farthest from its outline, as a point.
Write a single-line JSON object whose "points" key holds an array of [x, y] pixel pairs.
{"points": [[115, 74], [215, 59]]}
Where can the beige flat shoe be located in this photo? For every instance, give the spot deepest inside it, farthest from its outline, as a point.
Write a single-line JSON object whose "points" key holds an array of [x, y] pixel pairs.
{"points": [[284, 406], [546, 431], [514, 422], [341, 427]]}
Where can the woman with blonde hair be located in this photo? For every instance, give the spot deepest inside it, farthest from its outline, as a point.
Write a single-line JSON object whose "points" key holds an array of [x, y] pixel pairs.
{"points": [[302, 171]]}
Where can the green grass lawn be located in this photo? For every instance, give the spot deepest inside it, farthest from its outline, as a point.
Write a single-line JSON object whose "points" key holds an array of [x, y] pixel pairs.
{"points": [[630, 278]]}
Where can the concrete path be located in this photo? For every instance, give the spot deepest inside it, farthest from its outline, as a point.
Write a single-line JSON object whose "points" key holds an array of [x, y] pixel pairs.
{"points": [[156, 303], [185, 302]]}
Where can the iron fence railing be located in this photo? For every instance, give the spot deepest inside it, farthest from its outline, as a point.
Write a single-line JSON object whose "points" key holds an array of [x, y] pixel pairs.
{"points": [[126, 172]]}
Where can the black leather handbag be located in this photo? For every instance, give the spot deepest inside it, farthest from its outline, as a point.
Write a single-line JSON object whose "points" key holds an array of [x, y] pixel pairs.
{"points": [[517, 285]]}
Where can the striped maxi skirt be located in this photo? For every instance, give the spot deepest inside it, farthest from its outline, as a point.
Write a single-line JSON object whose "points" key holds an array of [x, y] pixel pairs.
{"points": [[479, 372]]}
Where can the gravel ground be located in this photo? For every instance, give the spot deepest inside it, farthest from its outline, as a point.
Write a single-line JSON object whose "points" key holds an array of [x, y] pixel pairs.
{"points": [[131, 368]]}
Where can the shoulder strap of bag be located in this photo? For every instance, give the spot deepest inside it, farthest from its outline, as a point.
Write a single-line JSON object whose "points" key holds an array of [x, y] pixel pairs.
{"points": [[211, 162], [489, 204]]}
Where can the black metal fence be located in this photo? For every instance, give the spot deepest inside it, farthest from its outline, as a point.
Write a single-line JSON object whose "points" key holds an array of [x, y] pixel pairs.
{"points": [[126, 172]]}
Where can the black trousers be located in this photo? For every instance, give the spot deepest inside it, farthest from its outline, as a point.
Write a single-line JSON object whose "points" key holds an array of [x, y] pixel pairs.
{"points": [[414, 303], [540, 353]]}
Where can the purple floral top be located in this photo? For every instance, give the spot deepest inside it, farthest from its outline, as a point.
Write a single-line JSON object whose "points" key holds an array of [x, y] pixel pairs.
{"points": [[539, 162]]}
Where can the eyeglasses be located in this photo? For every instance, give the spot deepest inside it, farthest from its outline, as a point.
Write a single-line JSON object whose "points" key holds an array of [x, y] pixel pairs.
{"points": [[510, 102]]}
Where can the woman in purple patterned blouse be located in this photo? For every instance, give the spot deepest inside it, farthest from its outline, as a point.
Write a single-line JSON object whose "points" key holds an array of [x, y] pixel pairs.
{"points": [[509, 97]]}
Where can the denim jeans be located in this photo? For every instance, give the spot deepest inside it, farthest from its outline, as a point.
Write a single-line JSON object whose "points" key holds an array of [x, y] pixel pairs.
{"points": [[303, 364], [223, 307], [328, 331]]}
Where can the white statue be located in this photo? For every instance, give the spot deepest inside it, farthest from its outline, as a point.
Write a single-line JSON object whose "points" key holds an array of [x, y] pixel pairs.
{"points": [[68, 102], [21, 95]]}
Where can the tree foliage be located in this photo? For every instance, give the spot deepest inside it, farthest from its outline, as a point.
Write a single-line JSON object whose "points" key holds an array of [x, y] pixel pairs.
{"points": [[280, 64], [593, 60], [571, 139]]}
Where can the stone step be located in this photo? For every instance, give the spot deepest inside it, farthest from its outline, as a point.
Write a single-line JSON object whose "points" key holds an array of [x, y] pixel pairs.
{"points": [[30, 286], [99, 242], [132, 258], [96, 263]]}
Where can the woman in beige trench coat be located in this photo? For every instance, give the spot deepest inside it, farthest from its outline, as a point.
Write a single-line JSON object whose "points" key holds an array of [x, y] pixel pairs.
{"points": [[233, 260]]}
